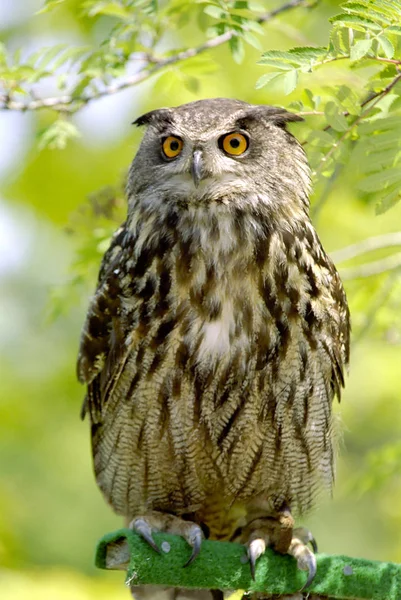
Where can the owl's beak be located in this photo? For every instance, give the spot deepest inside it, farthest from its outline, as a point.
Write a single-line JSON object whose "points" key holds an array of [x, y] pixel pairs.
{"points": [[197, 167]]}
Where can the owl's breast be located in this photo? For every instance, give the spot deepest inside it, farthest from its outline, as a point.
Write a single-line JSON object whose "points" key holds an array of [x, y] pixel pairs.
{"points": [[225, 322], [216, 335]]}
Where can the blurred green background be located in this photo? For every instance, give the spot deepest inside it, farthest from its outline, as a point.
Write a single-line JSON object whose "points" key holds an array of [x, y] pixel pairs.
{"points": [[51, 513]]}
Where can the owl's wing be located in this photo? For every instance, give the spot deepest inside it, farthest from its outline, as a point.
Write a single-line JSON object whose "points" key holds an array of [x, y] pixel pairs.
{"points": [[340, 349], [98, 338]]}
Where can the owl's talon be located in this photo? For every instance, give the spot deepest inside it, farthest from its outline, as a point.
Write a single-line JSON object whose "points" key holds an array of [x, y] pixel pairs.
{"points": [[255, 549], [155, 521], [145, 531], [306, 537], [195, 540], [312, 572], [305, 558]]}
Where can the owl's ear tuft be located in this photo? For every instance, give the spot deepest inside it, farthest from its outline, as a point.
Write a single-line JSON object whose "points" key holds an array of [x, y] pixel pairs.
{"points": [[279, 116], [283, 117], [158, 118], [271, 114]]}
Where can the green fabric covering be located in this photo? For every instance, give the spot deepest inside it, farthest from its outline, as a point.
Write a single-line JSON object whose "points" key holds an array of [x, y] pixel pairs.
{"points": [[219, 566]]}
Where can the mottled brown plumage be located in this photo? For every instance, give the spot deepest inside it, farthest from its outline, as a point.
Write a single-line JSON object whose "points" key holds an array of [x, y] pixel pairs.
{"points": [[219, 330]]}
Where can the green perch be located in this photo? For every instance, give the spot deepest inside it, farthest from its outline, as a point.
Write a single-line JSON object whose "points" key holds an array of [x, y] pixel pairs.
{"points": [[223, 565]]}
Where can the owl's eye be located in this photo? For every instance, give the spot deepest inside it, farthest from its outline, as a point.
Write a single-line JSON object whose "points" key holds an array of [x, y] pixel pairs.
{"points": [[234, 144], [172, 146]]}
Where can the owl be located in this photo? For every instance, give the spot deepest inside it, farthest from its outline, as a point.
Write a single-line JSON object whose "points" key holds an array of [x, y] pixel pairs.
{"points": [[217, 337]]}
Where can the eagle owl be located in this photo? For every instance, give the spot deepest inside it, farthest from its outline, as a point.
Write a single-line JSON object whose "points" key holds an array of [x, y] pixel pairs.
{"points": [[217, 337]]}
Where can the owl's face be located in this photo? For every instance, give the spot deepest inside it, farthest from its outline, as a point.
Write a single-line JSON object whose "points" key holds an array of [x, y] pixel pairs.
{"points": [[217, 149]]}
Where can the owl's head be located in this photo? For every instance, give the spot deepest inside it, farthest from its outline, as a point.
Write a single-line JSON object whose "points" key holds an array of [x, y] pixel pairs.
{"points": [[219, 150]]}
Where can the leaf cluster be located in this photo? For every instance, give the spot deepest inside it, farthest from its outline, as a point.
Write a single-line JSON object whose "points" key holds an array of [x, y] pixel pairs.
{"points": [[362, 122]]}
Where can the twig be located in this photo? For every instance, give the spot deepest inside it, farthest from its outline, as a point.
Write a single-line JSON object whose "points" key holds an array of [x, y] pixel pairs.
{"points": [[377, 267], [387, 240], [68, 103]]}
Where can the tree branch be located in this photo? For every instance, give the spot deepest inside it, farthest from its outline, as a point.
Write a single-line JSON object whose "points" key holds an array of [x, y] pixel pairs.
{"points": [[377, 267], [69, 103], [387, 240]]}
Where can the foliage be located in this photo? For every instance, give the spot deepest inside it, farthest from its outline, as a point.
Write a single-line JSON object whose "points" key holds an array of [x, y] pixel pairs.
{"points": [[362, 121], [357, 121]]}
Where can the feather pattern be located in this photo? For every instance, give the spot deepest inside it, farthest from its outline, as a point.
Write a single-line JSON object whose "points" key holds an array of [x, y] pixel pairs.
{"points": [[217, 337]]}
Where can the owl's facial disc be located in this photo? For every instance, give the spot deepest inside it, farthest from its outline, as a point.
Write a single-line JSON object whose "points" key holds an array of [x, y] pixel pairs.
{"points": [[201, 157]]}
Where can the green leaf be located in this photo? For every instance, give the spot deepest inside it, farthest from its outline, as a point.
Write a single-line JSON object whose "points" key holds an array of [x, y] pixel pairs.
{"points": [[388, 201], [237, 49], [355, 22], [72, 55], [251, 39], [61, 81], [339, 41], [310, 98], [296, 106], [386, 46], [81, 86], [294, 57], [384, 8], [382, 180], [395, 29], [366, 8], [360, 49], [389, 71], [255, 26], [49, 54], [265, 79], [335, 119], [349, 100], [320, 139], [290, 80], [396, 104], [391, 124], [214, 11], [191, 83], [111, 9], [49, 5], [385, 141], [256, 7], [277, 64], [58, 134], [307, 53], [3, 55], [372, 161]]}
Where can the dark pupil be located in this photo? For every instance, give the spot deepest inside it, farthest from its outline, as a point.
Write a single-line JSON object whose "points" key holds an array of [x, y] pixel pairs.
{"points": [[174, 145], [234, 143]]}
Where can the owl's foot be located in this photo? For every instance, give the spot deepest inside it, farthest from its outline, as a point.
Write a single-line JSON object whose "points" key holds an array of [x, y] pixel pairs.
{"points": [[277, 532], [155, 521], [299, 549]]}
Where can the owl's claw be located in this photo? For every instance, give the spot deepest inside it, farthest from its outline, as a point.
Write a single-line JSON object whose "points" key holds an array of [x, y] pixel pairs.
{"points": [[311, 576], [255, 549], [194, 539], [155, 521], [141, 526], [276, 531], [305, 558]]}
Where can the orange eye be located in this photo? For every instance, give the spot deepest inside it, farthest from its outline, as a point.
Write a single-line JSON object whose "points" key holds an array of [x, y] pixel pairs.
{"points": [[172, 146], [234, 144]]}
